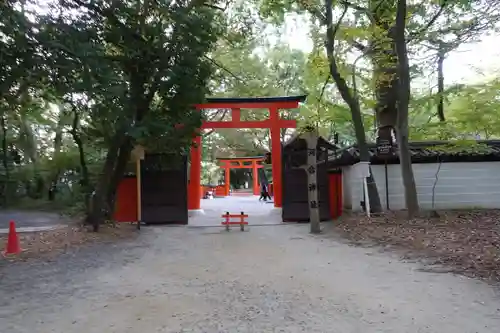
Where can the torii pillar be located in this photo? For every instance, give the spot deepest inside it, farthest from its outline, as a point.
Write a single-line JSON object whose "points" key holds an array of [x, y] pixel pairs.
{"points": [[255, 179], [194, 189]]}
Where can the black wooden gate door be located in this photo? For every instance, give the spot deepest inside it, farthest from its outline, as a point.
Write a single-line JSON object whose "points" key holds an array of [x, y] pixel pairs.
{"points": [[164, 189], [295, 195], [294, 183]]}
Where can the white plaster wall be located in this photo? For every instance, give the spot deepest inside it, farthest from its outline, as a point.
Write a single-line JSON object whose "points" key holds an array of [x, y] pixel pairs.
{"points": [[459, 185], [347, 188]]}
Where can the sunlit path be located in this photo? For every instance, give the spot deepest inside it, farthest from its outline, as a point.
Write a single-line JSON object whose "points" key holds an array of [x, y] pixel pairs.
{"points": [[259, 212], [269, 279]]}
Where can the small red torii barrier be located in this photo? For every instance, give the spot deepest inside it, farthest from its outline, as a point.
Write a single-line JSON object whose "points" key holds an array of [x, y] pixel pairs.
{"points": [[227, 220]]}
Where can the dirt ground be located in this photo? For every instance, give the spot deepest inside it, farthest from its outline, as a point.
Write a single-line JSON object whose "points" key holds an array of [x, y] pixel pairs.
{"points": [[24, 218], [274, 278], [465, 242], [46, 244]]}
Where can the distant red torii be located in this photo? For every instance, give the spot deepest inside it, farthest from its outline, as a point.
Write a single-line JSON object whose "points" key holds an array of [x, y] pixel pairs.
{"points": [[273, 122], [242, 163]]}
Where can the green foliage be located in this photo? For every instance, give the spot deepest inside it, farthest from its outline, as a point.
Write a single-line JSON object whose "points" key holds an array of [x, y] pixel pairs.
{"points": [[275, 71], [457, 147], [86, 76], [77, 77], [472, 112]]}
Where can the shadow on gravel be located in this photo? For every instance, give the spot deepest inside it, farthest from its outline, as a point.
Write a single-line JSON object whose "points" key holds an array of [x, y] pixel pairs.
{"points": [[57, 275]]}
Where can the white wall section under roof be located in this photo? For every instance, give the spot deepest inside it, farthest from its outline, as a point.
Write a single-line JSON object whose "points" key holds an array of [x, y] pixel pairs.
{"points": [[461, 185]]}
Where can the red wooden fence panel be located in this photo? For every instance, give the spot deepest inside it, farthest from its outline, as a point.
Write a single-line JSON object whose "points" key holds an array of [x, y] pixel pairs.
{"points": [[220, 191], [335, 187], [126, 200], [340, 201]]}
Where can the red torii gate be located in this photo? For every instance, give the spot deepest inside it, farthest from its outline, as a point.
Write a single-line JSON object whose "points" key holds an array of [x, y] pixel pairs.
{"points": [[242, 163], [273, 122]]}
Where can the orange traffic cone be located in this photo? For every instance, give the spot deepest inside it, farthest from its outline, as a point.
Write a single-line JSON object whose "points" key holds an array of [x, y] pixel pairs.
{"points": [[12, 246]]}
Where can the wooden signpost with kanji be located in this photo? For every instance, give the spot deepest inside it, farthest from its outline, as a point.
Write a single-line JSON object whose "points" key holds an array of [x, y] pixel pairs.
{"points": [[310, 135], [385, 151]]}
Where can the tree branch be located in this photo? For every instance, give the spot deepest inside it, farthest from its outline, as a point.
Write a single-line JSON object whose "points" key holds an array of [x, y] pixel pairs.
{"points": [[337, 25], [360, 47], [313, 10], [330, 50], [224, 69], [220, 119], [354, 6], [368, 12], [430, 23], [324, 86], [216, 7]]}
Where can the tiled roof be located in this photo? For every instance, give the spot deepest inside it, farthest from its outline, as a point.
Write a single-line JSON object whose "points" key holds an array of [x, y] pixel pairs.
{"points": [[295, 141], [240, 158], [422, 152], [300, 99]]}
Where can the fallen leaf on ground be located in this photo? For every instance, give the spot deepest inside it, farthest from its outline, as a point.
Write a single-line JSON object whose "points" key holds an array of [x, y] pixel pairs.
{"points": [[53, 242], [466, 241]]}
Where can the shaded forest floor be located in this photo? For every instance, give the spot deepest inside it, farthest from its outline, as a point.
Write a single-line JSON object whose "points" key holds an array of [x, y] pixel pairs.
{"points": [[68, 206], [47, 244], [463, 242]]}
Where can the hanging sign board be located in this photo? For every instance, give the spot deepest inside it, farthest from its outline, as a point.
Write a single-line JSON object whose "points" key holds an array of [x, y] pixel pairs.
{"points": [[384, 142], [384, 148]]}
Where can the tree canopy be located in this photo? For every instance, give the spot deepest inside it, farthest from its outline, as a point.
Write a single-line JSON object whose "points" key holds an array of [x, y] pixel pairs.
{"points": [[84, 81]]}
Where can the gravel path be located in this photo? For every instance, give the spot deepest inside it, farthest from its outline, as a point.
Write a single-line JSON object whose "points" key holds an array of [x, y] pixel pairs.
{"points": [[26, 219], [268, 279]]}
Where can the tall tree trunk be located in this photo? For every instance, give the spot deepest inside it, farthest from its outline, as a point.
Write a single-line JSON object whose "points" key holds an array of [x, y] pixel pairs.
{"points": [[404, 100], [351, 100], [440, 61], [311, 137], [119, 153], [31, 142], [84, 178], [31, 149], [5, 161], [98, 208], [383, 56], [57, 151], [386, 95], [117, 175]]}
